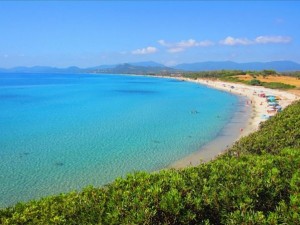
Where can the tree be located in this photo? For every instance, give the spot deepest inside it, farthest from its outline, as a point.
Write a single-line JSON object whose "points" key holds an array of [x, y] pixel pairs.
{"points": [[255, 82]]}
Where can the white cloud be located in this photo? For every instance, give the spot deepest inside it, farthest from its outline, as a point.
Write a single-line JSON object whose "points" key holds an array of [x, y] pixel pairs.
{"points": [[205, 43], [229, 41], [144, 51], [184, 44], [176, 49], [187, 44], [192, 43], [235, 41], [164, 43], [258, 40], [272, 39]]}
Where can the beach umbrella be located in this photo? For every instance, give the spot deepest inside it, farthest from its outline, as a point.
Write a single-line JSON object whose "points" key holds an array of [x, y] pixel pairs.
{"points": [[271, 98]]}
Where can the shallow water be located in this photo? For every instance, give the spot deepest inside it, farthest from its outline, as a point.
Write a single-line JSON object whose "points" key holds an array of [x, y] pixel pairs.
{"points": [[63, 132]]}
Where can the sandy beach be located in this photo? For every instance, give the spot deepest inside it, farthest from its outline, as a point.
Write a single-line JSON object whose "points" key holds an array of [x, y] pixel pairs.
{"points": [[244, 122]]}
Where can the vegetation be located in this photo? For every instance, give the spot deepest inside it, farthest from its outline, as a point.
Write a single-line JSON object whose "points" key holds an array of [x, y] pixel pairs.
{"points": [[278, 85], [231, 76], [256, 182], [292, 74], [254, 82], [268, 72], [271, 85], [216, 74]]}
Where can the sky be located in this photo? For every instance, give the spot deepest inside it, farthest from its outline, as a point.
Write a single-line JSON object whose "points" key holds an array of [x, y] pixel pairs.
{"points": [[92, 33]]}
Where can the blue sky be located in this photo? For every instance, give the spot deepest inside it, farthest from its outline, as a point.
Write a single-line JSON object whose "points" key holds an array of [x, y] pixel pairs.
{"points": [[84, 33]]}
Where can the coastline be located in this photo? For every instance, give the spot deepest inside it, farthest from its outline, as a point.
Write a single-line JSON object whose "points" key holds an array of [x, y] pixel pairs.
{"points": [[245, 120]]}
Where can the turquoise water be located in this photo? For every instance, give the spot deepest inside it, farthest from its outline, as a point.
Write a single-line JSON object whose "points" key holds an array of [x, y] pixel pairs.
{"points": [[64, 132]]}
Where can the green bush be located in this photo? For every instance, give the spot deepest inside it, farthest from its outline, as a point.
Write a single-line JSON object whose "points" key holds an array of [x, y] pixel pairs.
{"points": [[215, 74], [278, 85], [292, 74], [254, 82], [268, 72], [228, 190]]}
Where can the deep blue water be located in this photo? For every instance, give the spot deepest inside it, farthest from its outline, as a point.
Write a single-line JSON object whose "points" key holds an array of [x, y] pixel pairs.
{"points": [[64, 132]]}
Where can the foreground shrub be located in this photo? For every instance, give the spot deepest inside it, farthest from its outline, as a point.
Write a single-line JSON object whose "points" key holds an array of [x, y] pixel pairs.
{"points": [[228, 190]]}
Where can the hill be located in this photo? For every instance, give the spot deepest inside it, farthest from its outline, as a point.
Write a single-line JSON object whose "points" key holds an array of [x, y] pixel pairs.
{"points": [[229, 65], [137, 68], [148, 64]]}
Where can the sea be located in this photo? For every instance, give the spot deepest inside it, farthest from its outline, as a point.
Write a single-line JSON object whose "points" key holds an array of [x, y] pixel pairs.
{"points": [[63, 132]]}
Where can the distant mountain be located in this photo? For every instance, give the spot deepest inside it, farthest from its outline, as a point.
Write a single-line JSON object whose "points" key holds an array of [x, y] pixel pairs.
{"points": [[150, 67], [136, 68], [204, 66], [130, 68], [229, 65], [101, 67], [147, 64]]}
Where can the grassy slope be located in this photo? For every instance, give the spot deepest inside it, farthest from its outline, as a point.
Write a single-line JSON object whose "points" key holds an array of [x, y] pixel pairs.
{"points": [[257, 182]]}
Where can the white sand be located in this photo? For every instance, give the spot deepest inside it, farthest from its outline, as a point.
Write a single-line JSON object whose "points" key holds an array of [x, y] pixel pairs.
{"points": [[245, 126]]}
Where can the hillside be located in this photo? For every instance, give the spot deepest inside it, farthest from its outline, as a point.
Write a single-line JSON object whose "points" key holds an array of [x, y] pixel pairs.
{"points": [[266, 78], [135, 69], [229, 65], [272, 78], [256, 182]]}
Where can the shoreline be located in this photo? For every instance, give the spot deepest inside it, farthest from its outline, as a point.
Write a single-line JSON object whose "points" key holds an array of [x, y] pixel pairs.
{"points": [[245, 120]]}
